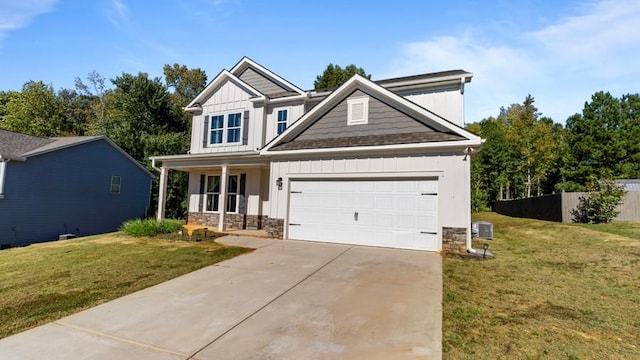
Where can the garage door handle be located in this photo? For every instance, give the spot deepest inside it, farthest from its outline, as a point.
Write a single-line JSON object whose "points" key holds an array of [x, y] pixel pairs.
{"points": [[429, 194], [428, 232], [290, 224], [355, 216]]}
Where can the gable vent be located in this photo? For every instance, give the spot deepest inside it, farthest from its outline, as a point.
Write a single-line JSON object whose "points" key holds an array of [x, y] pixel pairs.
{"points": [[358, 111]]}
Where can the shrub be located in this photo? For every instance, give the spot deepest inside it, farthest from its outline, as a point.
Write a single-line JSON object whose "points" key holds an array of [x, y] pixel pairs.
{"points": [[600, 206], [150, 227]]}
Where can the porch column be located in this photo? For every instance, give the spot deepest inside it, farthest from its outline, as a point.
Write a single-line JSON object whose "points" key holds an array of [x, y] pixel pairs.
{"points": [[223, 197], [162, 192]]}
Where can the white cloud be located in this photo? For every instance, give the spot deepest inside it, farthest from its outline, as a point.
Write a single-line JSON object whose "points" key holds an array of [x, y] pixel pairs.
{"points": [[17, 14], [118, 14], [561, 64]]}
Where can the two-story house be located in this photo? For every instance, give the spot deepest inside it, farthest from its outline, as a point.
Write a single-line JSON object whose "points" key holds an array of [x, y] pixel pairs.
{"points": [[379, 163]]}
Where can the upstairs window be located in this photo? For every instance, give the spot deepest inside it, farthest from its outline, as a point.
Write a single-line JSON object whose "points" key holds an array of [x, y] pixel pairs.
{"points": [[114, 188], [358, 111], [234, 123], [282, 121], [217, 129]]}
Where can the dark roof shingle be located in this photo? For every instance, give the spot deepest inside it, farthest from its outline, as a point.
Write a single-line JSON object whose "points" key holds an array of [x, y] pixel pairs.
{"points": [[371, 140]]}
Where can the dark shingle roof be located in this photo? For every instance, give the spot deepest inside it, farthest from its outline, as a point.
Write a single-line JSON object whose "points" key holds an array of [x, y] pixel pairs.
{"points": [[13, 144], [371, 140]]}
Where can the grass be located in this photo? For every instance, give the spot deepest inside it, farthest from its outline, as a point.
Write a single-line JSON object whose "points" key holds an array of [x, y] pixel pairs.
{"points": [[554, 291], [150, 227], [44, 282]]}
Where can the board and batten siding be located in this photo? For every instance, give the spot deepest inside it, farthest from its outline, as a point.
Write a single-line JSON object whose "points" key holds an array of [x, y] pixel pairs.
{"points": [[67, 191], [253, 189], [228, 98], [448, 102], [451, 170], [295, 111], [383, 120]]}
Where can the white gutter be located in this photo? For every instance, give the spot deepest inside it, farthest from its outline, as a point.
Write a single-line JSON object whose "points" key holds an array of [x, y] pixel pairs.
{"points": [[431, 145]]}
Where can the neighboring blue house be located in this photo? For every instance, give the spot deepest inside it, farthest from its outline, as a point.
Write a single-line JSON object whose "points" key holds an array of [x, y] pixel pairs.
{"points": [[81, 185]]}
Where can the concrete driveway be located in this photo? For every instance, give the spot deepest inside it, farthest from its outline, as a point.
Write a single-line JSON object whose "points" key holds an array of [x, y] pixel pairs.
{"points": [[285, 300]]}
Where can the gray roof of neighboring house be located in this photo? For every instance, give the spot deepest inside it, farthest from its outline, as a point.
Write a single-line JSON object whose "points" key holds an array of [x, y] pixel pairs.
{"points": [[630, 184], [13, 144], [17, 146]]}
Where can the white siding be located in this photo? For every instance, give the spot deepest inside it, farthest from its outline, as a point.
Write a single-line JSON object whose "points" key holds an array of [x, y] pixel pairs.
{"points": [[228, 98], [451, 171], [253, 188], [295, 111], [446, 102]]}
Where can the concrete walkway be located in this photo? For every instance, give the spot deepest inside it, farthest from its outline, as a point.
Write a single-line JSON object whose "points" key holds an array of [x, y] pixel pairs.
{"points": [[285, 300]]}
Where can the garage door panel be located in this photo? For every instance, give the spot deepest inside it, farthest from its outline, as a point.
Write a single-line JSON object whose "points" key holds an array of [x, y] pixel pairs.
{"points": [[390, 213]]}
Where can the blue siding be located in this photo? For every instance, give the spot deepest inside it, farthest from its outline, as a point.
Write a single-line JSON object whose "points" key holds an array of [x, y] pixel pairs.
{"points": [[68, 190]]}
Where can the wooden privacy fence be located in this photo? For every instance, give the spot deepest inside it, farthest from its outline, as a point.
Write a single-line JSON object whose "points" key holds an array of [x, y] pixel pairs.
{"points": [[558, 207]]}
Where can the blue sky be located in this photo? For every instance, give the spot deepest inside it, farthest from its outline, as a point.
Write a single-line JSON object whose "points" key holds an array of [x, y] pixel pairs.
{"points": [[561, 52]]}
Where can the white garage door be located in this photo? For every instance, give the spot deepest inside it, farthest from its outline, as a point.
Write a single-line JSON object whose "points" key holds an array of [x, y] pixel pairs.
{"points": [[390, 213]]}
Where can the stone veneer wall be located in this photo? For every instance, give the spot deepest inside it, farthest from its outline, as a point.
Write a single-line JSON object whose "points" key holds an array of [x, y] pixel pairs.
{"points": [[454, 240], [275, 228]]}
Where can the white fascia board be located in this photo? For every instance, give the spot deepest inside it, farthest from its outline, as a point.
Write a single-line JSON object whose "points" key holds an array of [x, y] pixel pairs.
{"points": [[419, 109], [382, 92], [246, 61], [306, 116], [205, 156], [280, 100], [463, 144], [453, 79], [194, 105]]}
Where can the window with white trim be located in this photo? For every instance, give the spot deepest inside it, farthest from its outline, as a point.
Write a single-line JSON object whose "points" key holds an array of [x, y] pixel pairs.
{"points": [[3, 170], [358, 111], [212, 193], [232, 193], [116, 181], [282, 120], [234, 124], [217, 129], [225, 129]]}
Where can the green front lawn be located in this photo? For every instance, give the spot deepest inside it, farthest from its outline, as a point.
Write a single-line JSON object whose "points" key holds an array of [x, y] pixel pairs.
{"points": [[554, 291], [44, 282]]}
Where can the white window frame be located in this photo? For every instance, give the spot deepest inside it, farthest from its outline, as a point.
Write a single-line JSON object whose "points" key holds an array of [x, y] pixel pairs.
{"points": [[3, 171], [211, 130], [228, 128], [225, 127], [364, 102], [235, 194], [118, 184], [212, 193], [285, 121]]}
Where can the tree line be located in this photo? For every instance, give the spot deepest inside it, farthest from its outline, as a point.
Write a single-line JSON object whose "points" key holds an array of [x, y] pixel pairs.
{"points": [[526, 154], [142, 115]]}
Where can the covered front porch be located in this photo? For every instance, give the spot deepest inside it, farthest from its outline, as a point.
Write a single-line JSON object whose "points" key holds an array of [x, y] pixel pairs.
{"points": [[225, 192]]}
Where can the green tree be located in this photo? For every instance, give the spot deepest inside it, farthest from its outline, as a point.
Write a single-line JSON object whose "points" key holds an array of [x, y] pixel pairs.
{"points": [[334, 76], [186, 83], [142, 119], [35, 111], [97, 92], [601, 205], [600, 148]]}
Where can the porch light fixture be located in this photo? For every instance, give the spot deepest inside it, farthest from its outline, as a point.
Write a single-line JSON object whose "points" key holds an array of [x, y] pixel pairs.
{"points": [[279, 183]]}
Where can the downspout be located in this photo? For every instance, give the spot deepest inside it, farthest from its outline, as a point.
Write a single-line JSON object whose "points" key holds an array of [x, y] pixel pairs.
{"points": [[3, 170], [467, 157]]}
